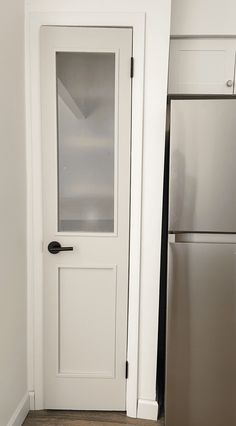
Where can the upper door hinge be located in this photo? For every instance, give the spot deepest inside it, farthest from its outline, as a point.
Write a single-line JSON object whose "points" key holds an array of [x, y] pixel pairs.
{"points": [[126, 370], [131, 67]]}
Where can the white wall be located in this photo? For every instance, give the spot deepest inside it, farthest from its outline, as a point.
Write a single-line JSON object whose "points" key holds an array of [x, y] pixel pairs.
{"points": [[13, 383], [203, 17]]}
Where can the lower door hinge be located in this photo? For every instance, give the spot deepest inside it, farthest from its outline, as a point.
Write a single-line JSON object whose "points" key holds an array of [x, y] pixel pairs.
{"points": [[131, 67], [126, 370]]}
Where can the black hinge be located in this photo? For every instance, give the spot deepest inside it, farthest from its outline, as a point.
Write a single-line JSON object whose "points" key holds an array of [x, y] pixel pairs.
{"points": [[131, 67], [126, 369]]}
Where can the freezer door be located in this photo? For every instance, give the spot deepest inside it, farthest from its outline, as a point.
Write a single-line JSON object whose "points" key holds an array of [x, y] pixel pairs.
{"points": [[203, 165], [201, 335]]}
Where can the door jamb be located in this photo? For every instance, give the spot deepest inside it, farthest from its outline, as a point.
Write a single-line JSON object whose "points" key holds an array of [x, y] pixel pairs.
{"points": [[33, 22]]}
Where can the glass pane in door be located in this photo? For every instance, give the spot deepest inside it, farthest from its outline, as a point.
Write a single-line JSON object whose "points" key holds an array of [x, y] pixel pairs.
{"points": [[85, 122]]}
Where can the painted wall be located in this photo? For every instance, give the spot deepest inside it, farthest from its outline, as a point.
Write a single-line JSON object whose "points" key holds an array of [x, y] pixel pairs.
{"points": [[201, 17], [13, 380]]}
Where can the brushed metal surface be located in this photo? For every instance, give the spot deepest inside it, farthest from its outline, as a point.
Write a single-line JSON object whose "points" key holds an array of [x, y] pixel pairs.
{"points": [[203, 165], [201, 335]]}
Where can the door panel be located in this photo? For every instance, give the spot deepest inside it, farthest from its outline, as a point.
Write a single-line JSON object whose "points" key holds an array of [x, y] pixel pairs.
{"points": [[202, 149], [202, 66], [86, 116], [87, 351], [201, 335]]}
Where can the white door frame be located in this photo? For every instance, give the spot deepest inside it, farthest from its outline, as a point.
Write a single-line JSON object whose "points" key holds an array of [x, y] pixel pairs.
{"points": [[34, 190]]}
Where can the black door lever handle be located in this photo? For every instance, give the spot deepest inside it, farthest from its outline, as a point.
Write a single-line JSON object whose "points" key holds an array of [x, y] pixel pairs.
{"points": [[54, 247]]}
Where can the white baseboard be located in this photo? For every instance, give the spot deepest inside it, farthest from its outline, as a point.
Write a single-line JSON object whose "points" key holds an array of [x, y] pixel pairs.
{"points": [[20, 413], [32, 400], [147, 409]]}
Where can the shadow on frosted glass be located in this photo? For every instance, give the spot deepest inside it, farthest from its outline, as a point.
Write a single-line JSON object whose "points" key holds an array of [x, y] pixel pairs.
{"points": [[85, 120]]}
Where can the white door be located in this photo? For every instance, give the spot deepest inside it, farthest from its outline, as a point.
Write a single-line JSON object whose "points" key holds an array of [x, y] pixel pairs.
{"points": [[202, 66], [86, 117]]}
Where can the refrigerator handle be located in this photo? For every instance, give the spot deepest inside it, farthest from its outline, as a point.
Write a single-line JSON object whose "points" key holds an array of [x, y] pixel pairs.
{"points": [[187, 237], [172, 239]]}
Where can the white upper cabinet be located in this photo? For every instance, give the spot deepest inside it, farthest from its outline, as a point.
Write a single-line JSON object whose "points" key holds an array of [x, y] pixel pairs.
{"points": [[202, 66]]}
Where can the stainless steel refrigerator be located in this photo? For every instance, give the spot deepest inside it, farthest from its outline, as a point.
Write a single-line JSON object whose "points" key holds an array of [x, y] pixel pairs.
{"points": [[201, 280]]}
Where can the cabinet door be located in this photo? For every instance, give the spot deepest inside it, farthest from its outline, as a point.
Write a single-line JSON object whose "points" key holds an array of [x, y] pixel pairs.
{"points": [[202, 66]]}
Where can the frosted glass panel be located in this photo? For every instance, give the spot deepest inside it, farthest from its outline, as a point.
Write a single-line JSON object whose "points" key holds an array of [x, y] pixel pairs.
{"points": [[85, 120]]}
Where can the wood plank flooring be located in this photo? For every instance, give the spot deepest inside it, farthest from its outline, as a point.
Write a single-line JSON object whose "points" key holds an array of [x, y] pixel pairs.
{"points": [[84, 418]]}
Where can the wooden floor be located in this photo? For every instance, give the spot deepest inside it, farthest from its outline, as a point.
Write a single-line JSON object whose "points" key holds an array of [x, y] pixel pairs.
{"points": [[84, 418]]}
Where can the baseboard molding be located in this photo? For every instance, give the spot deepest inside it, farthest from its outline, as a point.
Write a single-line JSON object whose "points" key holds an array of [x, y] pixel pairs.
{"points": [[21, 412], [147, 409], [32, 400]]}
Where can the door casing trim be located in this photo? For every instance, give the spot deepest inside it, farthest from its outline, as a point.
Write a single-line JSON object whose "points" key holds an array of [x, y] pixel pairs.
{"points": [[33, 22]]}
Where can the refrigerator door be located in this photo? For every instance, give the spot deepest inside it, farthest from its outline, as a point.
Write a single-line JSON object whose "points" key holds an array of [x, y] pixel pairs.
{"points": [[203, 165], [201, 335]]}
